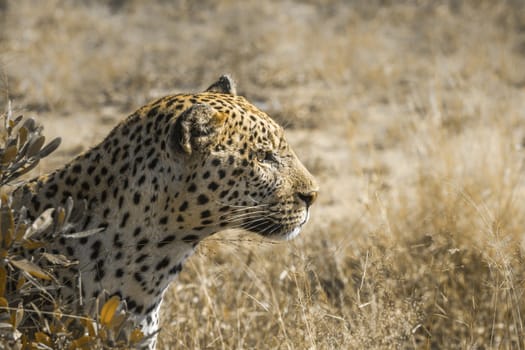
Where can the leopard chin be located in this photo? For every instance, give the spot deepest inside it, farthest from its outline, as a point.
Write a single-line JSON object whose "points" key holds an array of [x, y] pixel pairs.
{"points": [[297, 229]]}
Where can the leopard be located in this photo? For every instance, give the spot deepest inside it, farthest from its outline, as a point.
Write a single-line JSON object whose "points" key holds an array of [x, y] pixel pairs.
{"points": [[174, 172]]}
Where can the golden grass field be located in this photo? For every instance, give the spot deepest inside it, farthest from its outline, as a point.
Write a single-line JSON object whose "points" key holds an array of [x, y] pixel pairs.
{"points": [[411, 114]]}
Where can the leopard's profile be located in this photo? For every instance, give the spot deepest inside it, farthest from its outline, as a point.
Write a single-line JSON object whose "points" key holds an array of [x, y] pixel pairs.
{"points": [[174, 172]]}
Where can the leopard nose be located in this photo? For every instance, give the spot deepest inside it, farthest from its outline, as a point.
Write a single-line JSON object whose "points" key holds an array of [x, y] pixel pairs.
{"points": [[308, 197]]}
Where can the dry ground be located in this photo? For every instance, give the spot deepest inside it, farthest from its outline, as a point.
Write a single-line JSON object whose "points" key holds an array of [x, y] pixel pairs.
{"points": [[410, 113]]}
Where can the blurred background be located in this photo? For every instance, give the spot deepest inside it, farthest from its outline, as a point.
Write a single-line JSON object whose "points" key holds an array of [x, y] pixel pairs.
{"points": [[411, 114]]}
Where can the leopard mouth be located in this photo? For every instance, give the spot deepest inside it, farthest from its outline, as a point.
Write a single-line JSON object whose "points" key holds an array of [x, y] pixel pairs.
{"points": [[276, 229], [297, 229]]}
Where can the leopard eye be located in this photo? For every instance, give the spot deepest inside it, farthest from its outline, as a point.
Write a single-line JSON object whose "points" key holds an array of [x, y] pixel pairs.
{"points": [[266, 157]]}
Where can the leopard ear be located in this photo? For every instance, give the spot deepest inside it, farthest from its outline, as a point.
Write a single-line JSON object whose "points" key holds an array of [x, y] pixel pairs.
{"points": [[195, 129], [225, 85]]}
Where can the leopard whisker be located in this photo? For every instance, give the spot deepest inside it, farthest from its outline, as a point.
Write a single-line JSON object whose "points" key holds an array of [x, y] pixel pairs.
{"points": [[248, 214], [247, 218], [274, 230], [256, 224], [243, 206]]}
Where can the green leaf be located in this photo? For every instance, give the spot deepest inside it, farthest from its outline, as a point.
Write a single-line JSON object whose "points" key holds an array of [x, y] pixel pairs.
{"points": [[35, 144], [30, 268], [40, 224], [50, 147]]}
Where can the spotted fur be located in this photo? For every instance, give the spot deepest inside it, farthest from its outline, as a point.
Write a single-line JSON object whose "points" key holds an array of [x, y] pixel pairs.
{"points": [[174, 172]]}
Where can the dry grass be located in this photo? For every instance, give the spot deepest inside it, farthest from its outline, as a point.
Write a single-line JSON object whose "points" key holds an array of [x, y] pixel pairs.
{"points": [[410, 113]]}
